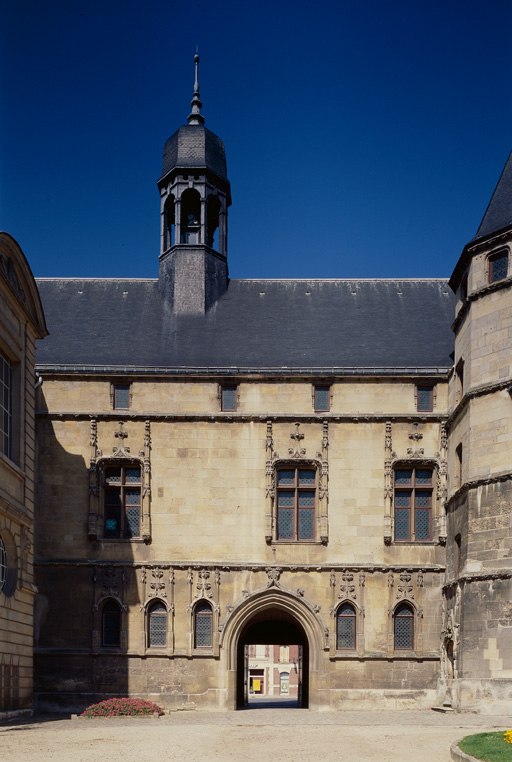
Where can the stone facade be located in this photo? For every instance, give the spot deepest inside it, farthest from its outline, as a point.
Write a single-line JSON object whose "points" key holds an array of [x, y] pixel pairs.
{"points": [[21, 323], [201, 491]]}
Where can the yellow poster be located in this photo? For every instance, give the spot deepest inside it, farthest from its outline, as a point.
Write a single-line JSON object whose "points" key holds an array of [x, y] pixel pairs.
{"points": [[256, 685]]}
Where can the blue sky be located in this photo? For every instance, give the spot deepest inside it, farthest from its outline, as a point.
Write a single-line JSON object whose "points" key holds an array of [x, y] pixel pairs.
{"points": [[363, 139]]}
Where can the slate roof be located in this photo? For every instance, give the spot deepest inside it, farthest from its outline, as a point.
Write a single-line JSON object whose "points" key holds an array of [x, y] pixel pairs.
{"points": [[256, 324], [194, 146], [499, 212]]}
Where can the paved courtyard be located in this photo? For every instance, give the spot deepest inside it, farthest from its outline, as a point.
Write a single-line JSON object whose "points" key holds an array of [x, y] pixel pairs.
{"points": [[251, 735]]}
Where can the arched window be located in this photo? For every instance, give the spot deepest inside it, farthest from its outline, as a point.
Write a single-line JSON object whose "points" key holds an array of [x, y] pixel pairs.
{"points": [[284, 683], [169, 216], [404, 628], [190, 216], [111, 624], [498, 266], [212, 219], [203, 626], [346, 628], [157, 630]]}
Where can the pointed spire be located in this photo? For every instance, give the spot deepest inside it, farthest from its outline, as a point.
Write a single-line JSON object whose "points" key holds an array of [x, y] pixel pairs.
{"points": [[195, 116]]}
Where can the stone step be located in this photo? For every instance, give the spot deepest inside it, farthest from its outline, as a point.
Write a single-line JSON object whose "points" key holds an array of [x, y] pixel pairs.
{"points": [[445, 708]]}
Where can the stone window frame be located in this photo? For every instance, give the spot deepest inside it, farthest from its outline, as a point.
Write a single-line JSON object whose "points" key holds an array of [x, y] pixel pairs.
{"points": [[220, 393], [354, 607], [415, 465], [493, 256], [417, 612], [433, 397], [404, 605], [213, 649], [296, 466], [324, 387], [11, 559], [120, 457], [113, 394], [150, 607], [124, 466]]}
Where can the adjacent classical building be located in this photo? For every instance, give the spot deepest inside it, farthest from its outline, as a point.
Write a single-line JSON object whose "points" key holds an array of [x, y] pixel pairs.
{"points": [[225, 463], [21, 323]]}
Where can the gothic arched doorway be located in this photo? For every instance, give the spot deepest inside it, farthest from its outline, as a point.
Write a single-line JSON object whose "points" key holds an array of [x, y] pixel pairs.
{"points": [[273, 627]]}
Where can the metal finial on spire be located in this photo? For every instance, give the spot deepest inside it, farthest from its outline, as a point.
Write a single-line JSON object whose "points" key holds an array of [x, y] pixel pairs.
{"points": [[195, 116]]}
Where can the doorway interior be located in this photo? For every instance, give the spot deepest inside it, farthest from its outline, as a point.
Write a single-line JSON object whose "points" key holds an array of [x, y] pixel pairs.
{"points": [[272, 662]]}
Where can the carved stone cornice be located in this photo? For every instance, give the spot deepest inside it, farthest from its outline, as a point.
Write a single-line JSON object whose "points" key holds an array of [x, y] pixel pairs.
{"points": [[478, 577], [474, 483], [479, 391], [474, 296]]}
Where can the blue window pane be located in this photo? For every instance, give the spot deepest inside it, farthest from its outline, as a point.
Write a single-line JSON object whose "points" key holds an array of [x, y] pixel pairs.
{"points": [[112, 522], [285, 524], [346, 636], [321, 398], [133, 522], [403, 476], [425, 394], [132, 475], [132, 497], [403, 499], [121, 397], [499, 267], [306, 499], [229, 398], [306, 477], [285, 477], [402, 524], [113, 475], [423, 476], [306, 524], [285, 499], [422, 499], [422, 528]]}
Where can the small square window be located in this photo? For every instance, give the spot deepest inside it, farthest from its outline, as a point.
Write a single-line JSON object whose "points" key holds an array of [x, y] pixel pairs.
{"points": [[322, 399], [425, 399], [498, 266], [121, 396], [228, 398]]}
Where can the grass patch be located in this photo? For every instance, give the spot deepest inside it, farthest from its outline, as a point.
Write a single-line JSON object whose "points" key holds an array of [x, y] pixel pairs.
{"points": [[490, 747]]}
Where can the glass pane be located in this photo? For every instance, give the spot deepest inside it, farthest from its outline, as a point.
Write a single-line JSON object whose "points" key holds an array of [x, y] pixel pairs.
{"points": [[132, 475], [285, 524], [157, 626], [132, 496], [321, 398], [285, 499], [346, 632], [423, 476], [306, 499], [285, 477], [203, 629], [403, 499], [113, 475], [133, 522], [306, 524], [424, 398], [3, 564], [122, 397], [499, 268], [306, 477], [422, 499], [112, 521], [229, 398], [113, 497], [401, 524], [403, 631], [111, 627], [403, 476], [422, 528]]}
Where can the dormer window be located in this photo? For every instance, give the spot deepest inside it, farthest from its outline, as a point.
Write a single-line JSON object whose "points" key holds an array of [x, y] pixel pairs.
{"points": [[498, 266]]}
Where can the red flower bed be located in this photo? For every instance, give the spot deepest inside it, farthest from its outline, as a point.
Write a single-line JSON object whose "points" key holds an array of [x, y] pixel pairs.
{"points": [[117, 707]]}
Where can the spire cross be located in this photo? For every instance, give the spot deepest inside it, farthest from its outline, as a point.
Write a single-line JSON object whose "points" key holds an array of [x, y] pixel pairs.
{"points": [[195, 116]]}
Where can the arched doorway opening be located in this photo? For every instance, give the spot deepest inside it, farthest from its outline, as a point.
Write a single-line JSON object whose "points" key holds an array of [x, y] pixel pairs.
{"points": [[272, 627]]}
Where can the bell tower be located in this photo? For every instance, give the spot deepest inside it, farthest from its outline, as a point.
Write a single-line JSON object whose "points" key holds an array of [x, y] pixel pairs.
{"points": [[195, 195]]}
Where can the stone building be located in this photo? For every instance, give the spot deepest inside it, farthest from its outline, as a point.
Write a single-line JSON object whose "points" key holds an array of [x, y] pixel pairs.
{"points": [[224, 463], [21, 323]]}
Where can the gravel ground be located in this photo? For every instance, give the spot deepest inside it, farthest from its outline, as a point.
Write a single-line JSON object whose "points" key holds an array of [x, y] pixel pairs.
{"points": [[253, 735]]}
